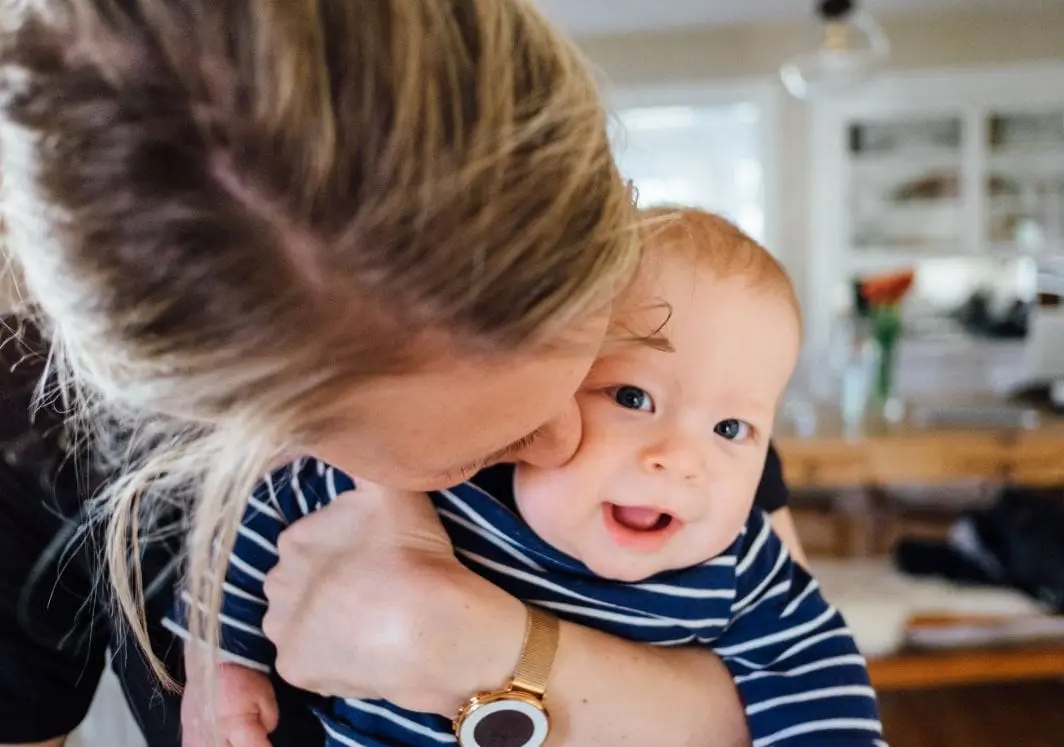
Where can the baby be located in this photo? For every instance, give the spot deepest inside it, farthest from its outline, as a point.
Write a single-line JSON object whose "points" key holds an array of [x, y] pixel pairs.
{"points": [[647, 533]]}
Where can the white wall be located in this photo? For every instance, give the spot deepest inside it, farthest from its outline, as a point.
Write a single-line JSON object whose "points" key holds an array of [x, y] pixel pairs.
{"points": [[715, 55], [109, 723]]}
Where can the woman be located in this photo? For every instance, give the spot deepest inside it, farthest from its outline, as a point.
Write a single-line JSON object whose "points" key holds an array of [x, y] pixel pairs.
{"points": [[384, 233]]}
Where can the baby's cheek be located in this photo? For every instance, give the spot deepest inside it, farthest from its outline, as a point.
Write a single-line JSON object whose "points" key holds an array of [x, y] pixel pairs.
{"points": [[552, 503], [729, 514]]}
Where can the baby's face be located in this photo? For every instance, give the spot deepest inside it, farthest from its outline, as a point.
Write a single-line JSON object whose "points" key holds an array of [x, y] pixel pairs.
{"points": [[674, 440]]}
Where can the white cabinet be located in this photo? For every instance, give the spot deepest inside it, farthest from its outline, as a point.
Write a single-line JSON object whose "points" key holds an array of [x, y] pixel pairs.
{"points": [[959, 175]]}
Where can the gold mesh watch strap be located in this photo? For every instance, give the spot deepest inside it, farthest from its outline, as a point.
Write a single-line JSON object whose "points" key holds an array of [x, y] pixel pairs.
{"points": [[537, 653]]}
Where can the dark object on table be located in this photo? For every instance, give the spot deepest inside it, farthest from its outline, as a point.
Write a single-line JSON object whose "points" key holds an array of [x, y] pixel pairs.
{"points": [[1017, 543], [1036, 395], [978, 318]]}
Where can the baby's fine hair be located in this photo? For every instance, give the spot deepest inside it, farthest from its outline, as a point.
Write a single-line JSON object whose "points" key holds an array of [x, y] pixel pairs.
{"points": [[226, 214], [720, 245]]}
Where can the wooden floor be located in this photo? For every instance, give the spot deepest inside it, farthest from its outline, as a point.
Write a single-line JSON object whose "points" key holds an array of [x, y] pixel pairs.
{"points": [[1024, 715]]}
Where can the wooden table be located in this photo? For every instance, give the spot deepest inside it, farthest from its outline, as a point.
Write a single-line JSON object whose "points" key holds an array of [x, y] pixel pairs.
{"points": [[895, 454], [918, 670], [883, 454]]}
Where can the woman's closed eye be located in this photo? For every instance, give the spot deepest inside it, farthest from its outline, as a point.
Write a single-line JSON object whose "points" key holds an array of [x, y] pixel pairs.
{"points": [[733, 429], [632, 398], [502, 455]]}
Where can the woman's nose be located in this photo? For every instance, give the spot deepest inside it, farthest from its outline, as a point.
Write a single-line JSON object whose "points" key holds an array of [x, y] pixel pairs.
{"points": [[556, 441], [679, 458]]}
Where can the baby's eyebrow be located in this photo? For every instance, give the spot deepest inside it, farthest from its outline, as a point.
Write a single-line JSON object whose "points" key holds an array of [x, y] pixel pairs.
{"points": [[622, 333], [655, 341]]}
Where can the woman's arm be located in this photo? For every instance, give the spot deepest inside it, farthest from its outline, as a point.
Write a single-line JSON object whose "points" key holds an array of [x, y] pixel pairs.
{"points": [[607, 691], [783, 525], [391, 614]]}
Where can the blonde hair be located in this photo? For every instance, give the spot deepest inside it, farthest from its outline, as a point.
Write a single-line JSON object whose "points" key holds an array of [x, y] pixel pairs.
{"points": [[226, 212], [715, 240]]}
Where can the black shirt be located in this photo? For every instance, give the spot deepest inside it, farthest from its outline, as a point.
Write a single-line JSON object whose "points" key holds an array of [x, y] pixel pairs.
{"points": [[772, 493]]}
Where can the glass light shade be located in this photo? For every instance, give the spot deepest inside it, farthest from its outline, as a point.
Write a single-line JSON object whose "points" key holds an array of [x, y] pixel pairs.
{"points": [[853, 50]]}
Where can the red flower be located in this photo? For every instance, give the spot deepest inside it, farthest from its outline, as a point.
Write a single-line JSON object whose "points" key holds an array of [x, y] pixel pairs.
{"points": [[887, 289]]}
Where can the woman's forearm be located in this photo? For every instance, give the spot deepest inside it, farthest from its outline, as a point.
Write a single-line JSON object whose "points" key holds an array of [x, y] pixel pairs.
{"points": [[783, 525], [607, 691]]}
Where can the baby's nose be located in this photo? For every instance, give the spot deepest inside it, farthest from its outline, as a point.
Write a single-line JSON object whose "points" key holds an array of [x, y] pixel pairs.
{"points": [[679, 459]]}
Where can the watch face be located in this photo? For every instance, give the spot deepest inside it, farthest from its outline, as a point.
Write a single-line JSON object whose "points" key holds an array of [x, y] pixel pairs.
{"points": [[504, 723]]}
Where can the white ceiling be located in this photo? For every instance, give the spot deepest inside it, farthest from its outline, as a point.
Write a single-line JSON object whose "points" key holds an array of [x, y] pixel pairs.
{"points": [[590, 17]]}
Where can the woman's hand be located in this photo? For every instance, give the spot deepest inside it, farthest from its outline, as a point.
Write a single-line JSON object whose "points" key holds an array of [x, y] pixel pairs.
{"points": [[368, 601]]}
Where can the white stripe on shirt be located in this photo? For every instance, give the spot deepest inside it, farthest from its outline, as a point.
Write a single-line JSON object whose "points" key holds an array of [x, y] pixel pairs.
{"points": [[633, 620], [782, 635], [832, 724], [466, 509], [782, 558], [297, 489], [793, 605], [753, 550], [264, 509], [226, 656], [543, 583], [395, 718], [686, 591], [844, 691], [257, 538], [846, 660], [491, 537]]}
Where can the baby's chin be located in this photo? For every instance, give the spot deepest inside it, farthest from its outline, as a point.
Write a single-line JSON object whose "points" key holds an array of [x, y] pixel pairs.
{"points": [[625, 566], [627, 569]]}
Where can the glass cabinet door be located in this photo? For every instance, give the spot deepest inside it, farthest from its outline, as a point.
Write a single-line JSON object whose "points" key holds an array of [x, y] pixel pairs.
{"points": [[906, 184], [1025, 181]]}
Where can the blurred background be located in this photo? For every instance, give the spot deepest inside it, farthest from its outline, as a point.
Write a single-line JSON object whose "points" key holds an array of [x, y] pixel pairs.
{"points": [[904, 159]]}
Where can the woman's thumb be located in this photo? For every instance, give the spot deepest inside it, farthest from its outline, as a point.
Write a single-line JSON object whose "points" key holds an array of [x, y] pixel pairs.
{"points": [[268, 711], [248, 732]]}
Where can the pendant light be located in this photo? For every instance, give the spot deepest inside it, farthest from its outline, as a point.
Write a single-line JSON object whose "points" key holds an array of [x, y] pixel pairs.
{"points": [[854, 48]]}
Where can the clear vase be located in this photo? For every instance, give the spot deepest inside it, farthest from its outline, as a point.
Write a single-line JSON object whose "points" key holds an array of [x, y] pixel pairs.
{"points": [[885, 362], [886, 331]]}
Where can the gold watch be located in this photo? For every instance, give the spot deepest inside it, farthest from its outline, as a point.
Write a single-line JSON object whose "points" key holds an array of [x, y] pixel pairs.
{"points": [[516, 715]]}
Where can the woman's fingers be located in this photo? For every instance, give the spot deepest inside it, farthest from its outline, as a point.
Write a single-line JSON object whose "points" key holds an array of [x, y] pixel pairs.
{"points": [[247, 732], [269, 714]]}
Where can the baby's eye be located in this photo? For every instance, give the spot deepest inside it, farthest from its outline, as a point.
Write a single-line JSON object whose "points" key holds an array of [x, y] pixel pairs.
{"points": [[733, 430], [633, 398]]}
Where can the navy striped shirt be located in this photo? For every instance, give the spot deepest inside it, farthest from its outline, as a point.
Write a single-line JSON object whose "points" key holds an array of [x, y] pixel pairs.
{"points": [[794, 661]]}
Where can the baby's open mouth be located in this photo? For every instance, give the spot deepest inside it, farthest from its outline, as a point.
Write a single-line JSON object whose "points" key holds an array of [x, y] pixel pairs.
{"points": [[639, 528], [640, 518]]}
